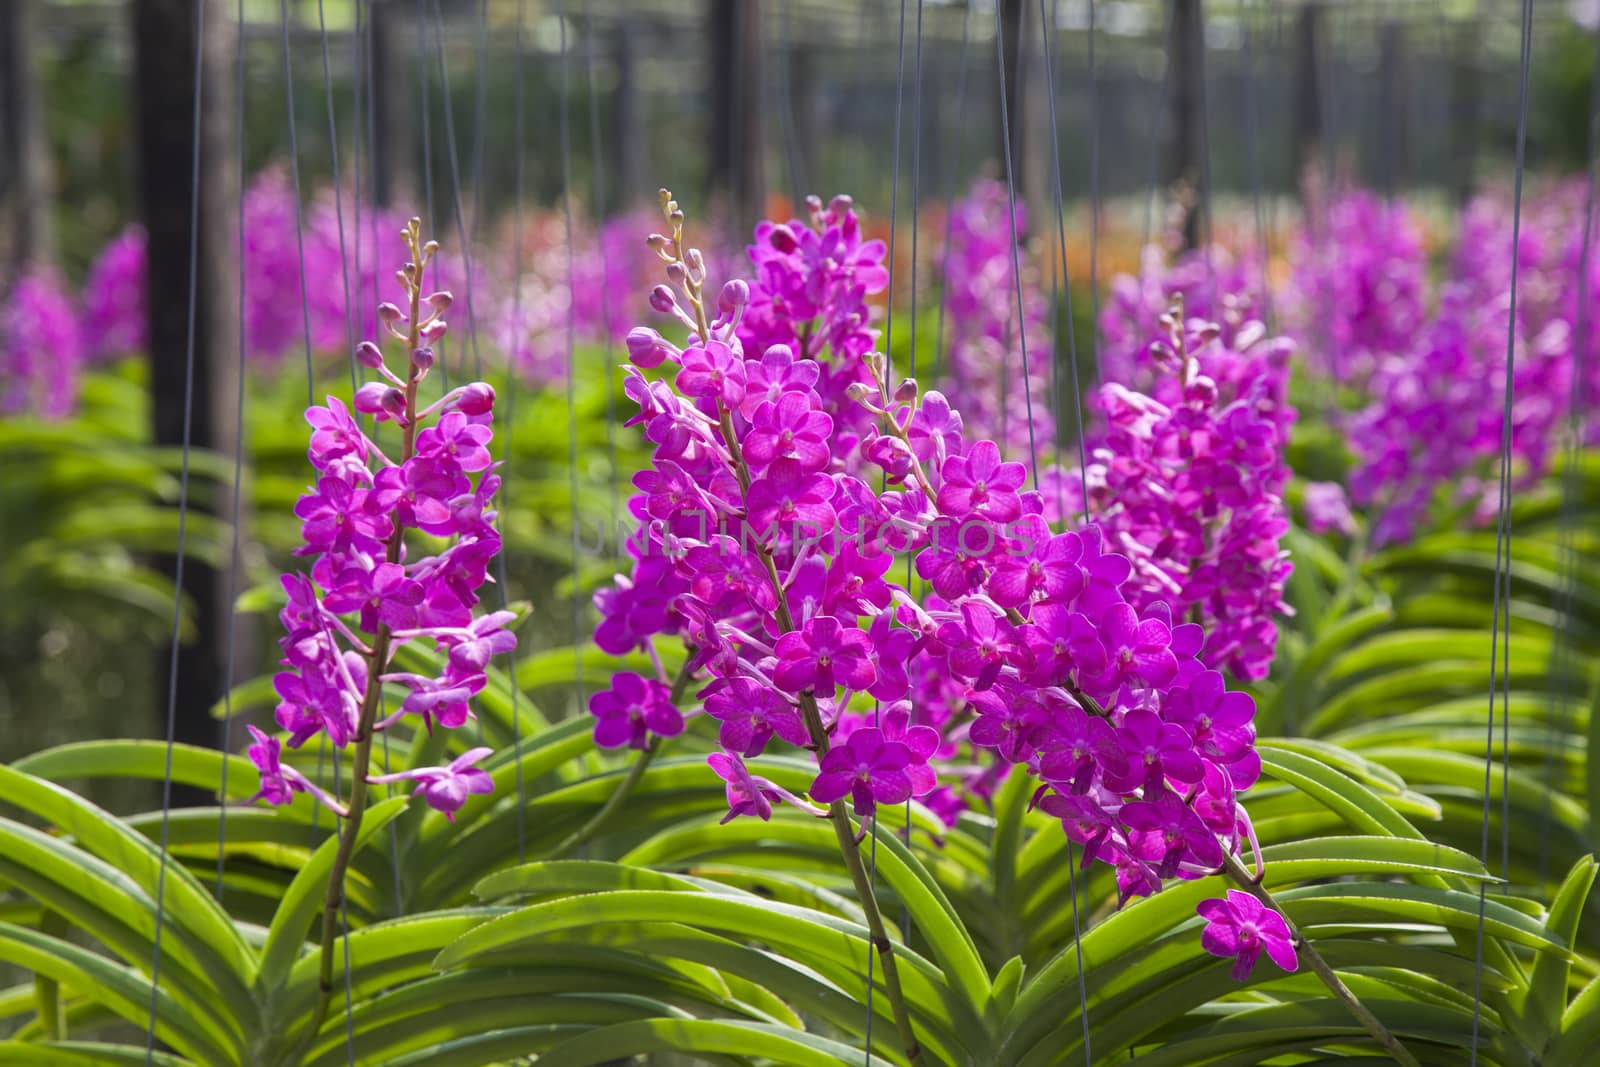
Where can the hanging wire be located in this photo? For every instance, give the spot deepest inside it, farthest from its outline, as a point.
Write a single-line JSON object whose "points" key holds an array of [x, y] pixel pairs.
{"points": [[888, 369], [572, 362], [598, 212], [455, 196], [511, 417], [1563, 658], [299, 210], [480, 123], [182, 539], [424, 87], [1050, 30], [786, 115], [1016, 255], [1094, 200], [1502, 547], [224, 731], [1252, 108], [338, 197], [1208, 230], [369, 75], [950, 191]]}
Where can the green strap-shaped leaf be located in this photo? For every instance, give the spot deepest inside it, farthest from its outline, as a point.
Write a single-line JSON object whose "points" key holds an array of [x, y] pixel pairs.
{"points": [[121, 989], [770, 1044], [191, 765], [84, 1054], [102, 834], [1541, 1003]]}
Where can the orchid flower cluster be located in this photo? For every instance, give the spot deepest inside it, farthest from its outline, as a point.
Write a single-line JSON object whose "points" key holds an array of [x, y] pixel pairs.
{"points": [[365, 595], [41, 350], [1190, 488], [764, 547], [1359, 283], [1435, 401], [985, 367], [1215, 286]]}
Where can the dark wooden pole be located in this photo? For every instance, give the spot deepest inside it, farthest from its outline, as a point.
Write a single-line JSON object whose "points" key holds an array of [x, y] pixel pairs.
{"points": [[1394, 136], [1012, 23], [391, 148], [1184, 167], [630, 144], [735, 65], [25, 168], [1308, 90], [164, 94], [1465, 106]]}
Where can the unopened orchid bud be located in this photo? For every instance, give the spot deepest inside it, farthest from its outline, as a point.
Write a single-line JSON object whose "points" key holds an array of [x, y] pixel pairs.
{"points": [[369, 398], [430, 248], [840, 206], [662, 300], [734, 296], [369, 355], [696, 263], [476, 399], [433, 330], [676, 273], [423, 359], [906, 391], [1209, 332], [388, 313], [861, 392], [647, 348], [782, 239], [1200, 391], [441, 300]]}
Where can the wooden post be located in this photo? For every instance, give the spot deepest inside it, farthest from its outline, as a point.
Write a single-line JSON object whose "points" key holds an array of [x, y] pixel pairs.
{"points": [[164, 95], [1308, 90], [736, 106], [1183, 157], [25, 168]]}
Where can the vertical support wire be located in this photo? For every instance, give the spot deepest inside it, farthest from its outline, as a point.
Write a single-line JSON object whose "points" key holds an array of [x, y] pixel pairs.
{"points": [[1502, 550], [1016, 254], [1252, 108], [1563, 659], [369, 79], [183, 529], [338, 196], [950, 192], [1048, 27], [597, 213], [916, 220], [420, 16], [1051, 34], [565, 97], [520, 65], [224, 728], [1094, 201], [455, 189], [786, 116], [299, 207], [888, 370]]}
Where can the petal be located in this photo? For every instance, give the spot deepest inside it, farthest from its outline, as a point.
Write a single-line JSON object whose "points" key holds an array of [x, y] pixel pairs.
{"points": [[1281, 951], [1220, 939]]}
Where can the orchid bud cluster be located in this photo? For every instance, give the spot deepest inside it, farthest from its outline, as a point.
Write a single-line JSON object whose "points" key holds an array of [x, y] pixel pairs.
{"points": [[986, 369], [762, 549], [1190, 489], [366, 595]]}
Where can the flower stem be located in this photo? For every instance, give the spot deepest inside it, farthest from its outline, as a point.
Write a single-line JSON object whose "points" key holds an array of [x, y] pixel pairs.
{"points": [[845, 831], [1380, 1033], [361, 763], [843, 828]]}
